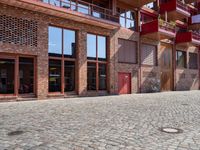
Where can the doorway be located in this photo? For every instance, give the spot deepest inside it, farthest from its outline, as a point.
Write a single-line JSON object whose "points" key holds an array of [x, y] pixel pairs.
{"points": [[166, 67], [17, 76], [124, 83]]}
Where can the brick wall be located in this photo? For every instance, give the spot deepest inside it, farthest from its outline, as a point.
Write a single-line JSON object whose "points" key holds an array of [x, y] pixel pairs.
{"points": [[116, 67]]}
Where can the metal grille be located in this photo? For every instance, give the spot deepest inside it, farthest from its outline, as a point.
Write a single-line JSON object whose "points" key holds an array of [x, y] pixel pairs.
{"points": [[18, 31]]}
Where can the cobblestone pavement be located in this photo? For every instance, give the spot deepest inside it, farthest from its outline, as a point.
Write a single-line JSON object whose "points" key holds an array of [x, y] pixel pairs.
{"points": [[113, 123]]}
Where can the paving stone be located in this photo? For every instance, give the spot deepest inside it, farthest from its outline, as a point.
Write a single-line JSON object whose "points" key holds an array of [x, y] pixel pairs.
{"points": [[124, 122]]}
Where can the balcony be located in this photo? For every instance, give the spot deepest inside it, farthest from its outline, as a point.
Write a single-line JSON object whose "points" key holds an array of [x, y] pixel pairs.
{"points": [[158, 30], [188, 38], [135, 3], [176, 10], [79, 11]]}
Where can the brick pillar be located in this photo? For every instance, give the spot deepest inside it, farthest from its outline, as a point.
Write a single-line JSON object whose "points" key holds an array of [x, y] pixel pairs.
{"points": [[42, 62], [82, 63], [112, 62]]}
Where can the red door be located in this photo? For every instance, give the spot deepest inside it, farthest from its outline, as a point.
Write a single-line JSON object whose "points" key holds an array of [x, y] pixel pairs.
{"points": [[124, 83]]}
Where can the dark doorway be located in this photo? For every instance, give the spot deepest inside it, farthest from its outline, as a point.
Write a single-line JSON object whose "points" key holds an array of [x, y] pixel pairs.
{"points": [[124, 83], [69, 76], [26, 75]]}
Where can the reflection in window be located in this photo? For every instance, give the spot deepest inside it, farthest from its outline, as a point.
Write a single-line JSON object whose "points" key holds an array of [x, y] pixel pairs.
{"points": [[69, 43], [91, 76], [59, 37], [181, 59], [83, 8], [91, 46], [102, 76], [96, 44], [69, 76], [101, 47], [26, 75], [7, 71], [54, 76], [54, 2], [127, 19], [55, 41]]}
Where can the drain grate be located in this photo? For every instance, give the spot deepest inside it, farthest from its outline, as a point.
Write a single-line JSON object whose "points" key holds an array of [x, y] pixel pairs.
{"points": [[171, 130], [13, 133]]}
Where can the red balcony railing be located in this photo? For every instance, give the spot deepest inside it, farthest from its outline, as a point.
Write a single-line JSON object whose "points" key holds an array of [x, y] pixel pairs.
{"points": [[173, 5], [155, 25], [182, 6], [196, 36], [167, 26], [85, 8], [184, 37]]}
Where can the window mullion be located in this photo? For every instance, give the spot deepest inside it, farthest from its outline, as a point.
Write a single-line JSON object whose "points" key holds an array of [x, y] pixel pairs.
{"points": [[97, 67]]}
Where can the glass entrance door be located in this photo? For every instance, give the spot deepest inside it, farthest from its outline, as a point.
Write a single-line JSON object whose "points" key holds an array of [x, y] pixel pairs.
{"points": [[26, 75]]}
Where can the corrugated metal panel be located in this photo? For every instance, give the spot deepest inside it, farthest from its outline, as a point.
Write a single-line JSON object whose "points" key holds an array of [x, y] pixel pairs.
{"points": [[148, 54], [127, 51]]}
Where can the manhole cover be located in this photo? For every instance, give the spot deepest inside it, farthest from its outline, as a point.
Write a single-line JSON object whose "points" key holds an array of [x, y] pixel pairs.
{"points": [[171, 130], [185, 104], [13, 133]]}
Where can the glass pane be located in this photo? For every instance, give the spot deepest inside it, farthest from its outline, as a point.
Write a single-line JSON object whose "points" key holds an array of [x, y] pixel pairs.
{"points": [[7, 71], [55, 41], [69, 76], [26, 75], [55, 2], [102, 76], [91, 76], [83, 8], [45, 1], [101, 47], [122, 22], [69, 43], [130, 24], [54, 76], [180, 60], [129, 15], [65, 4], [91, 46]]}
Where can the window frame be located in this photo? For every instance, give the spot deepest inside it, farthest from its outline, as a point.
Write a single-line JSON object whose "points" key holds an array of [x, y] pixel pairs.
{"points": [[98, 61], [62, 58], [136, 52], [125, 17]]}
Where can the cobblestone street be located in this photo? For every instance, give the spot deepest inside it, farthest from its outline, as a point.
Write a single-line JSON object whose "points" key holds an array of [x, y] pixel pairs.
{"points": [[125, 122]]}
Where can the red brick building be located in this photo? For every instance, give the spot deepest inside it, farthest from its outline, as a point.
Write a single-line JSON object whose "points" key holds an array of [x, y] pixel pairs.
{"points": [[60, 48]]}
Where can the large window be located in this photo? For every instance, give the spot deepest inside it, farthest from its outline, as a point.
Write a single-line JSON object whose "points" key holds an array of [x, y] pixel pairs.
{"points": [[96, 66], [127, 51], [17, 75], [193, 61], [7, 72], [148, 55], [127, 18], [62, 53], [181, 59]]}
